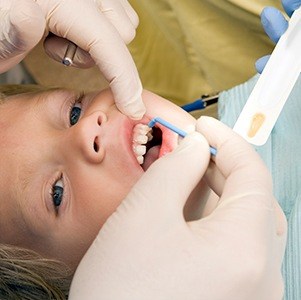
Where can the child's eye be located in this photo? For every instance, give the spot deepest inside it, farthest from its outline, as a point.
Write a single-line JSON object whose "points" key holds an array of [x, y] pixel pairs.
{"points": [[75, 112], [57, 193]]}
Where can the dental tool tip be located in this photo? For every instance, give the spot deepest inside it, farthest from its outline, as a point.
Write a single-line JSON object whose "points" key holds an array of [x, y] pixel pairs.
{"points": [[170, 126], [175, 129], [69, 54], [213, 151], [67, 61], [152, 123]]}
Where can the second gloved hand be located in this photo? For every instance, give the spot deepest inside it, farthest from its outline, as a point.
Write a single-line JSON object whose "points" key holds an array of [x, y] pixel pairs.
{"points": [[22, 27], [275, 24], [101, 29], [146, 250]]}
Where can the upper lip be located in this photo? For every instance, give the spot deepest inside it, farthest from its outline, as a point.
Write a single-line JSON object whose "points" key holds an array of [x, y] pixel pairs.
{"points": [[126, 134], [168, 138]]}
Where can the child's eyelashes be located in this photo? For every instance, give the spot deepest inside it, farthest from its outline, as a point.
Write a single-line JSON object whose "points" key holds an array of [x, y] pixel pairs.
{"points": [[57, 193], [57, 188], [75, 113], [75, 110]]}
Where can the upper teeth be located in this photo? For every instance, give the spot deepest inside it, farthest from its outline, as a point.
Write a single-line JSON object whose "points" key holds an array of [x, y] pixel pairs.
{"points": [[141, 135]]}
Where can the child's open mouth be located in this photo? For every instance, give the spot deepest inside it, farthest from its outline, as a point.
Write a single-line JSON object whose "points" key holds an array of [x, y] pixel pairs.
{"points": [[152, 148], [149, 144]]}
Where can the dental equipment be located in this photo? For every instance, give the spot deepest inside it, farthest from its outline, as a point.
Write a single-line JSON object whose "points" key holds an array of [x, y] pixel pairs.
{"points": [[175, 129], [69, 54], [271, 91], [200, 103]]}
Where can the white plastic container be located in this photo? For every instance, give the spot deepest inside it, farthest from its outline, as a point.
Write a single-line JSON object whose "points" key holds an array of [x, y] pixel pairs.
{"points": [[271, 91]]}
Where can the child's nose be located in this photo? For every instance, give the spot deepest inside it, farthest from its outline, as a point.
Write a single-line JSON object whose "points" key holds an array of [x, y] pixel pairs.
{"points": [[86, 137]]}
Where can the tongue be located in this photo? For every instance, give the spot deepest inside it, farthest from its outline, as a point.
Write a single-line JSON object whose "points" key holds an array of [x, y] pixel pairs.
{"points": [[151, 155]]}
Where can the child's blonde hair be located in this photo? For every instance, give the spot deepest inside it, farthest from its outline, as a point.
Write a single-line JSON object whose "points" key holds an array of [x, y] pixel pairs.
{"points": [[7, 90], [26, 275]]}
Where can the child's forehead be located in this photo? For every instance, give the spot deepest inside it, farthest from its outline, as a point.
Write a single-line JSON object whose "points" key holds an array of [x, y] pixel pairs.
{"points": [[36, 97], [17, 89], [17, 112]]}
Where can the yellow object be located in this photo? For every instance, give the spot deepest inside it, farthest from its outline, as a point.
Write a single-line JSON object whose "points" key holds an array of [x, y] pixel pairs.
{"points": [[257, 122], [184, 49]]}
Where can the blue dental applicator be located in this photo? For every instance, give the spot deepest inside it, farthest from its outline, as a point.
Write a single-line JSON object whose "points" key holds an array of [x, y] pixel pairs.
{"points": [[201, 103], [175, 129]]}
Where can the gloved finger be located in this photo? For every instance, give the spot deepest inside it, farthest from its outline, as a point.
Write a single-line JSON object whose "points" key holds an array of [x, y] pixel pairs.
{"points": [[290, 6], [261, 63], [118, 16], [130, 12], [215, 179], [247, 191], [237, 160], [168, 182], [22, 26], [273, 23], [56, 47], [101, 39]]}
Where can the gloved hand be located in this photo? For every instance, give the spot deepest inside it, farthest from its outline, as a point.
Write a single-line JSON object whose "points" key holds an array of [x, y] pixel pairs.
{"points": [[275, 25], [101, 29], [146, 250]]}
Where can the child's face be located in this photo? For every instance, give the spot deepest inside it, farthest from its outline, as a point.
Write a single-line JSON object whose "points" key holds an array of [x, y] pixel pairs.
{"points": [[59, 183]]}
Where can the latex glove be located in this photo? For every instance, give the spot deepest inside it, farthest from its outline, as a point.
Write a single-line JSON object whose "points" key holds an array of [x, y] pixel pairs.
{"points": [[275, 24], [101, 28], [146, 250]]}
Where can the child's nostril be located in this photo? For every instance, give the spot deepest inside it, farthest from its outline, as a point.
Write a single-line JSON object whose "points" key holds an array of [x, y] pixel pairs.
{"points": [[99, 121], [95, 145]]}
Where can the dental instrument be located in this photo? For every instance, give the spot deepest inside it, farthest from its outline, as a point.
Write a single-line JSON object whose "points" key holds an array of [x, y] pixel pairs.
{"points": [[175, 129], [271, 91], [69, 54], [200, 103]]}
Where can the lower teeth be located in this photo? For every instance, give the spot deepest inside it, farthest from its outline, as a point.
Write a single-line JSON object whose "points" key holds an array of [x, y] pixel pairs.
{"points": [[150, 157]]}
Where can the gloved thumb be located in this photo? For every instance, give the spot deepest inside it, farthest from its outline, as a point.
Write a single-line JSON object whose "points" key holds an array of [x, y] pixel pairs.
{"points": [[168, 182], [237, 161], [22, 27]]}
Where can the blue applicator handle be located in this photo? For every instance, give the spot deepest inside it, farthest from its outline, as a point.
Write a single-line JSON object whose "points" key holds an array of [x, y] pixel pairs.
{"points": [[201, 103], [175, 129], [196, 105]]}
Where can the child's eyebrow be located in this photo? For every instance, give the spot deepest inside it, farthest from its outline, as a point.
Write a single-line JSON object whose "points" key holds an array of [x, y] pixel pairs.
{"points": [[54, 93], [31, 210], [56, 102]]}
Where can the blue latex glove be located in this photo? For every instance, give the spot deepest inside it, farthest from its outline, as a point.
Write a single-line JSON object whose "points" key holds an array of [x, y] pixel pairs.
{"points": [[275, 25]]}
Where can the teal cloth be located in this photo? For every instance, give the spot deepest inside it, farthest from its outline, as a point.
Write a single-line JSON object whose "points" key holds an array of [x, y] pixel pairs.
{"points": [[282, 155]]}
